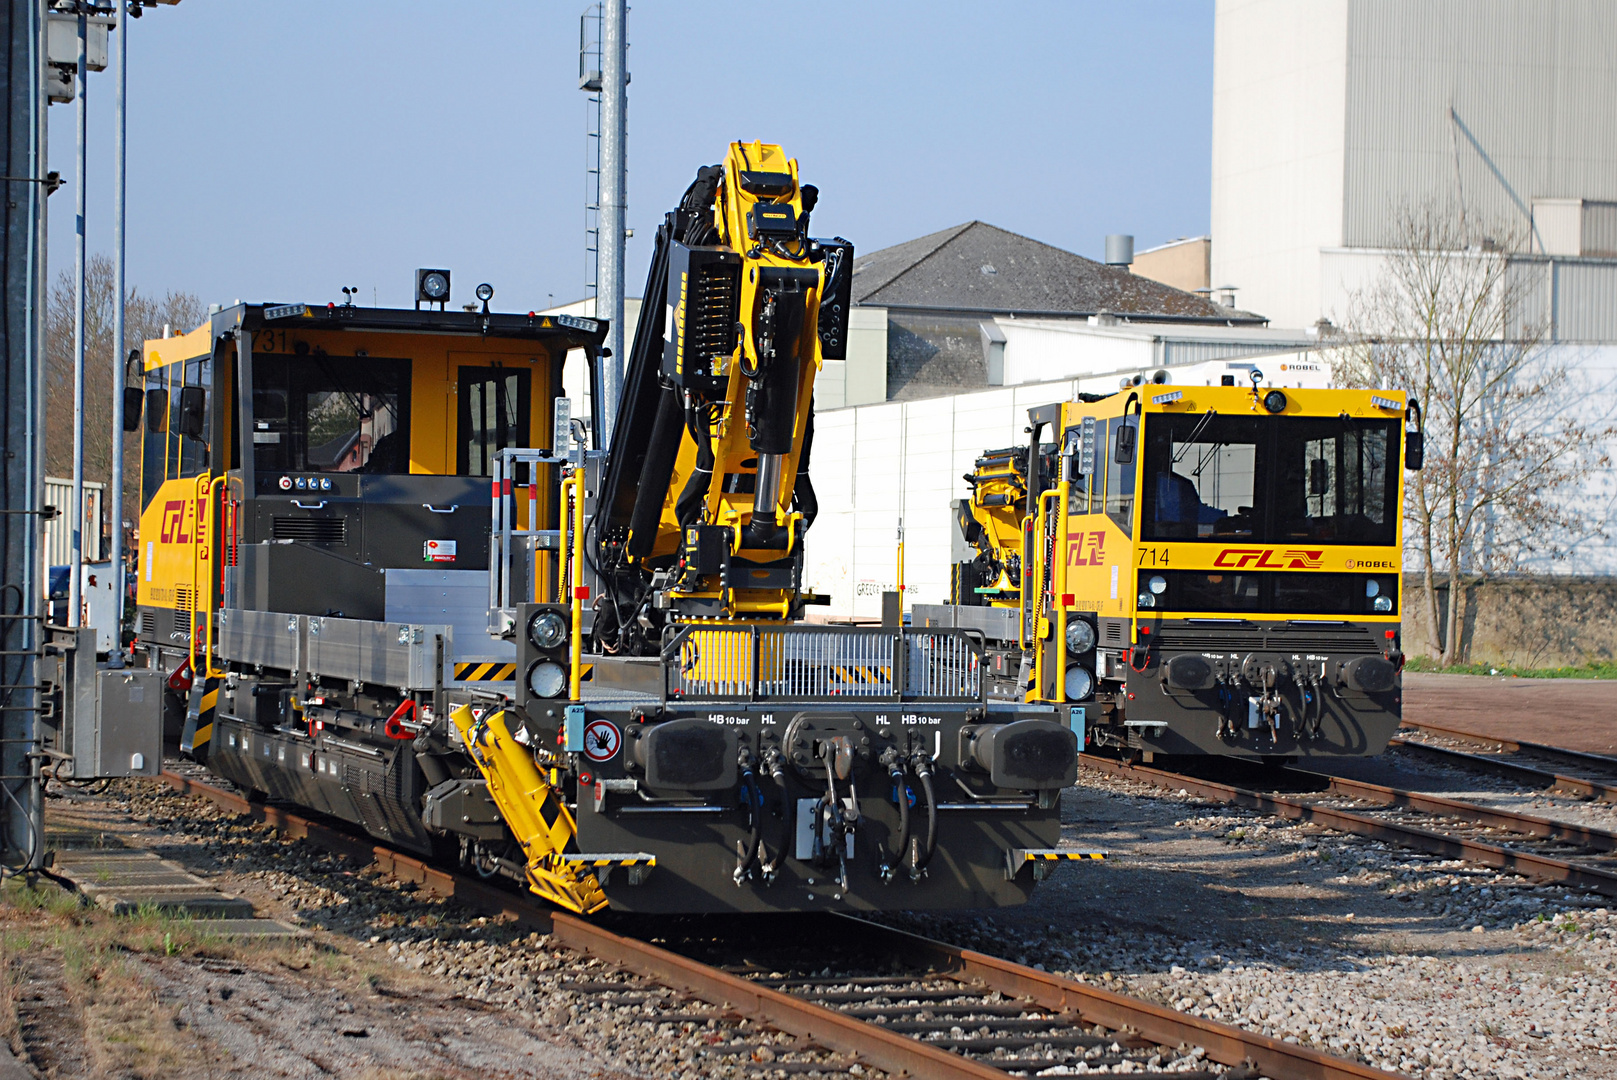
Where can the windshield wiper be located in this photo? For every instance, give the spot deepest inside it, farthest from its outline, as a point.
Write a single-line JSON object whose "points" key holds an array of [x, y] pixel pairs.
{"points": [[1201, 426]]}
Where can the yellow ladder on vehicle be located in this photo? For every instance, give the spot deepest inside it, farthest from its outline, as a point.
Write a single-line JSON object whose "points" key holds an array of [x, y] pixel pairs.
{"points": [[533, 810]]}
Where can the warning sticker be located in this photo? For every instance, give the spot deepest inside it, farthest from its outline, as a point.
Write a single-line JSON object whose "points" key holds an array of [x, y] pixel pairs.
{"points": [[601, 739]]}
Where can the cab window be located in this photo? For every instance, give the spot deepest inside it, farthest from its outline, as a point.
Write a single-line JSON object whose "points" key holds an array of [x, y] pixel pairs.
{"points": [[1121, 441], [494, 411], [331, 414]]}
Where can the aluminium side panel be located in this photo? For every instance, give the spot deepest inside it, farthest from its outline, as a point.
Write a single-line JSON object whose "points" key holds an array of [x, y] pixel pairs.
{"points": [[400, 655], [272, 639]]}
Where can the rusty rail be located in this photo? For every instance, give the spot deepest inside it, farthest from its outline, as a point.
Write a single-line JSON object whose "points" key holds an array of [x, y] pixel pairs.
{"points": [[1527, 863], [1520, 770], [892, 1052]]}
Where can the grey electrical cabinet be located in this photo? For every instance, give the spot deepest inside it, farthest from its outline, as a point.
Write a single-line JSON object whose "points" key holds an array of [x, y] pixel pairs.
{"points": [[99, 722], [128, 733]]}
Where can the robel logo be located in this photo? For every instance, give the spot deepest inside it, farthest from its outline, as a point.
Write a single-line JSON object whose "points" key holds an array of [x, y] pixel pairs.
{"points": [[1270, 559], [1370, 564]]}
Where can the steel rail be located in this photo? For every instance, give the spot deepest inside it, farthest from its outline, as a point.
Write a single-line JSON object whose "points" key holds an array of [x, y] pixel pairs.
{"points": [[1528, 864], [1224, 1043], [870, 1043], [1577, 785], [1511, 746]]}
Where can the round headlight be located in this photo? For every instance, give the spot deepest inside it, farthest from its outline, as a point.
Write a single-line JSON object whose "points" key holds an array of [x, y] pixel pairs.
{"points": [[1157, 584], [435, 286], [1079, 683], [1147, 600], [1080, 636], [1372, 587], [1383, 603], [485, 292], [1274, 401], [547, 629], [547, 679]]}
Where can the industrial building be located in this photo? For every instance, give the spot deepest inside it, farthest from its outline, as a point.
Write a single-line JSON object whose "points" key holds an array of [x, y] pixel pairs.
{"points": [[1330, 117]]}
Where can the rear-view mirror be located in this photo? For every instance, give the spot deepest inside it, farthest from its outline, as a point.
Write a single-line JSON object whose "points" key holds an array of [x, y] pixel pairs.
{"points": [[1319, 477], [1414, 449], [1125, 445], [133, 400], [192, 413], [156, 410]]}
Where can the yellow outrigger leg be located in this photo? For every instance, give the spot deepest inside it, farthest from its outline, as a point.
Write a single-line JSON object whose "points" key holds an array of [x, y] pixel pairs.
{"points": [[526, 798]]}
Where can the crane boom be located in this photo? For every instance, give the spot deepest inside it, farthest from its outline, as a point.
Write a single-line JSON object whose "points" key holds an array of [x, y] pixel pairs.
{"points": [[705, 494]]}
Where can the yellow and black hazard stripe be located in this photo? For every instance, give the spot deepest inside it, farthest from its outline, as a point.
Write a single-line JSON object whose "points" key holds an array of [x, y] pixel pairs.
{"points": [[638, 858], [198, 731], [860, 674], [1016, 857], [485, 672]]}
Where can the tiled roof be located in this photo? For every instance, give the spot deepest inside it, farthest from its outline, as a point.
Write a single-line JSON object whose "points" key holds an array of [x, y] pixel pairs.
{"points": [[978, 267]]}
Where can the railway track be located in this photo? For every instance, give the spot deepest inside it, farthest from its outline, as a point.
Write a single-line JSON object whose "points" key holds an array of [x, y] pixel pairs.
{"points": [[1535, 847], [1574, 772], [877, 996]]}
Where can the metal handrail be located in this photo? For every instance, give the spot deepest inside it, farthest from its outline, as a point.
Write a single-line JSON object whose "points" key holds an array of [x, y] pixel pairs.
{"points": [[503, 531]]}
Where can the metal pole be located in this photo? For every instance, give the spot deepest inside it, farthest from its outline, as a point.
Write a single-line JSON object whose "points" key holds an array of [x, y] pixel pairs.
{"points": [[120, 131], [614, 202], [22, 272], [75, 560]]}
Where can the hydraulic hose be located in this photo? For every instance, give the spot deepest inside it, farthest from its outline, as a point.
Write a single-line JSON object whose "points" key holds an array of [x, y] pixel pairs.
{"points": [[922, 766], [777, 773], [747, 852], [895, 770], [688, 509]]}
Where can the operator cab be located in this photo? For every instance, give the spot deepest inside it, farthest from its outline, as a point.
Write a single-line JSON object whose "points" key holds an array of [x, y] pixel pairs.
{"points": [[353, 481]]}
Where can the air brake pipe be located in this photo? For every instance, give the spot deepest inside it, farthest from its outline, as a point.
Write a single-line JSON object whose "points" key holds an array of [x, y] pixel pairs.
{"points": [[922, 766], [777, 772], [901, 793], [754, 795]]}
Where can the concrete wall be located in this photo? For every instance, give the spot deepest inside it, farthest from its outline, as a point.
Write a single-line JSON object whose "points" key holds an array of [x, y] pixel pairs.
{"points": [[1184, 264], [1524, 621], [876, 467], [861, 379], [1279, 80]]}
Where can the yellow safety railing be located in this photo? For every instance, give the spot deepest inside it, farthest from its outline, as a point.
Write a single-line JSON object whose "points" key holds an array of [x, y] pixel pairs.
{"points": [[1037, 592], [202, 580], [573, 541]]}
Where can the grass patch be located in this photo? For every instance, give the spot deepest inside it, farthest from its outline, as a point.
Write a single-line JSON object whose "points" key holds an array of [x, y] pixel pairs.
{"points": [[128, 1029], [1597, 669]]}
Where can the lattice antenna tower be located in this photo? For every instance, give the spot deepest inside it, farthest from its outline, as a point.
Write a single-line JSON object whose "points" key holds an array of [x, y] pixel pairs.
{"points": [[589, 80]]}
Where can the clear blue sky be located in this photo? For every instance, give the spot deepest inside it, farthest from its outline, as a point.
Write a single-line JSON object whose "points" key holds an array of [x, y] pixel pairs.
{"points": [[280, 149]]}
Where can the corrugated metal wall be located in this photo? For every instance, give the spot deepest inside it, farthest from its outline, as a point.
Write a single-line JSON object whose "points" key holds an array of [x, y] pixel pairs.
{"points": [[1173, 353], [1533, 85], [58, 531], [1600, 229], [877, 464], [1585, 301]]}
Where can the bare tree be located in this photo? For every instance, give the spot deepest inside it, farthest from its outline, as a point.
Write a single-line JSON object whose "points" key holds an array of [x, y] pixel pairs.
{"points": [[1461, 326], [144, 318]]}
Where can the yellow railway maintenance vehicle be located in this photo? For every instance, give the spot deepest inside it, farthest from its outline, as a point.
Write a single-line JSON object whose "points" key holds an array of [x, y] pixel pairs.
{"points": [[1203, 569], [386, 577]]}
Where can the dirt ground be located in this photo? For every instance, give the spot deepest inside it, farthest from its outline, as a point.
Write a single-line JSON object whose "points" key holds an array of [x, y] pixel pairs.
{"points": [[1579, 714]]}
